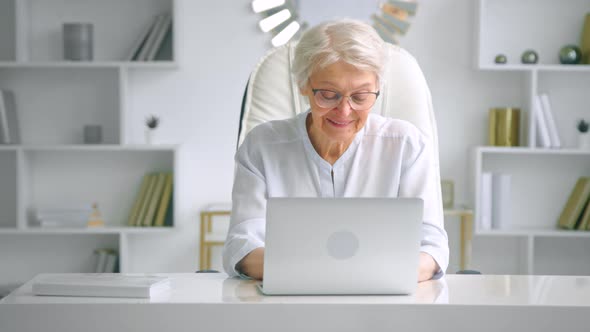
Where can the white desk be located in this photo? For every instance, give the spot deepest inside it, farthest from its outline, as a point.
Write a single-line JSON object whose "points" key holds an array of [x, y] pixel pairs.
{"points": [[210, 302]]}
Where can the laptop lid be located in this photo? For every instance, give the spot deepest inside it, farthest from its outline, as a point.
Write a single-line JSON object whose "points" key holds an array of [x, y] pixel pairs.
{"points": [[342, 245]]}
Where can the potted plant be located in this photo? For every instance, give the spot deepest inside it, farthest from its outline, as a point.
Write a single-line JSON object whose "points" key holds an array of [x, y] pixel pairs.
{"points": [[151, 123], [583, 136]]}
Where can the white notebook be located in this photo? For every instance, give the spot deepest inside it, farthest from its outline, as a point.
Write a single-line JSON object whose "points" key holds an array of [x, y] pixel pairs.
{"points": [[100, 285]]}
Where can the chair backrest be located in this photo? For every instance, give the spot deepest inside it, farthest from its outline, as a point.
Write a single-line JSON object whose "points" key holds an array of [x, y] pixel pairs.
{"points": [[272, 93]]}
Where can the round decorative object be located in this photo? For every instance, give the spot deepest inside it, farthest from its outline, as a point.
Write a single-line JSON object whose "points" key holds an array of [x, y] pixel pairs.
{"points": [[529, 57], [500, 59], [570, 55]]}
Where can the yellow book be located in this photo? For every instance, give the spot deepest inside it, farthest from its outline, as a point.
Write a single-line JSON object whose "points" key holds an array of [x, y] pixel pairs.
{"points": [[145, 199], [148, 219], [164, 202], [585, 219], [492, 127], [575, 204], [585, 43], [507, 126], [137, 204]]}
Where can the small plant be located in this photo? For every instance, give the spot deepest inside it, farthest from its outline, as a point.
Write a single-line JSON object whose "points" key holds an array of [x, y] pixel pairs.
{"points": [[152, 121], [583, 126]]}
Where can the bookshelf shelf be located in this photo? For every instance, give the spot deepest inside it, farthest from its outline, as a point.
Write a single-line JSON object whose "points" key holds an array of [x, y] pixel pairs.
{"points": [[55, 100], [103, 230], [519, 151], [540, 179], [538, 68], [532, 232], [91, 65]]}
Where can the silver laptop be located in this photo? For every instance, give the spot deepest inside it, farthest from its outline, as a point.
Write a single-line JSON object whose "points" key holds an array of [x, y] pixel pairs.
{"points": [[327, 246]]}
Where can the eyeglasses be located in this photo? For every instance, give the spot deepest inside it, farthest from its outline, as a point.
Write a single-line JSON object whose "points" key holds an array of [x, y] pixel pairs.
{"points": [[359, 101]]}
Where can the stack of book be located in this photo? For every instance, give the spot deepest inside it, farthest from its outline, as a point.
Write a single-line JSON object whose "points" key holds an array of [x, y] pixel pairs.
{"points": [[393, 19], [504, 126], [106, 260], [495, 201], [63, 217], [155, 42], [544, 132], [9, 130], [101, 285], [576, 213], [153, 205]]}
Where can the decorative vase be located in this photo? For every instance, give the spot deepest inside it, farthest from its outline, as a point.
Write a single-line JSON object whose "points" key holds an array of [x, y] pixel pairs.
{"points": [[584, 141], [150, 136], [529, 57], [500, 59], [570, 55]]}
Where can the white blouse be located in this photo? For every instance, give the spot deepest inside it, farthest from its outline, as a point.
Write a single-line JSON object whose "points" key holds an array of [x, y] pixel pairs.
{"points": [[388, 158]]}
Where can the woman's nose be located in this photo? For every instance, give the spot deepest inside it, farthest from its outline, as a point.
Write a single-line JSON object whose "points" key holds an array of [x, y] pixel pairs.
{"points": [[345, 106]]}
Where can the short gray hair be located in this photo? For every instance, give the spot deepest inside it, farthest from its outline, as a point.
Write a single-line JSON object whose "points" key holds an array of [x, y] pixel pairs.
{"points": [[351, 41]]}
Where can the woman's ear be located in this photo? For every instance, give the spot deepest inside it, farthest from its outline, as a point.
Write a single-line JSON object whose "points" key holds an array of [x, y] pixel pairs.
{"points": [[305, 90]]}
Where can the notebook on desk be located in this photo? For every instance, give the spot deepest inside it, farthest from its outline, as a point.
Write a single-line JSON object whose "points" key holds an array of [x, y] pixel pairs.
{"points": [[323, 246]]}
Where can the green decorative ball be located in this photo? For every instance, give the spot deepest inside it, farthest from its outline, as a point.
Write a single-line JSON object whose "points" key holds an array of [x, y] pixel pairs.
{"points": [[570, 55], [529, 57], [500, 59]]}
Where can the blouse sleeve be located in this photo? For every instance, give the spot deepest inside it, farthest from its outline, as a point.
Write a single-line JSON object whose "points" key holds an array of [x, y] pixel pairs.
{"points": [[247, 222], [420, 178]]}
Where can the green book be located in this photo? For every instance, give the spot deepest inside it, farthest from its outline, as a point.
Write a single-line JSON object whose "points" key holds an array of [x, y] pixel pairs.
{"points": [[575, 204], [164, 201], [585, 43], [138, 199], [584, 224], [492, 127], [145, 200], [152, 205]]}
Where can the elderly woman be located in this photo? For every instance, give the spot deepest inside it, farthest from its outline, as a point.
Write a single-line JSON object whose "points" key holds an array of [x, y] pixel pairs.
{"points": [[335, 149]]}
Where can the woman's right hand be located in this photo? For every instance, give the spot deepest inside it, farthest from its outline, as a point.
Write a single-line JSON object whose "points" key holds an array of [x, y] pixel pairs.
{"points": [[252, 264]]}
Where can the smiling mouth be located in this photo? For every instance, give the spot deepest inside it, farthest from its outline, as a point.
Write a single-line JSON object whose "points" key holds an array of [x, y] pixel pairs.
{"points": [[339, 124]]}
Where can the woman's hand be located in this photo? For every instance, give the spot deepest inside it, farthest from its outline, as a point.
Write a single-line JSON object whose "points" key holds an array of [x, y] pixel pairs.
{"points": [[252, 264], [427, 267]]}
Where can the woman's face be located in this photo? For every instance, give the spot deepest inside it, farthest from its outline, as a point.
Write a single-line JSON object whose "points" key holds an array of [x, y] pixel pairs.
{"points": [[341, 122]]}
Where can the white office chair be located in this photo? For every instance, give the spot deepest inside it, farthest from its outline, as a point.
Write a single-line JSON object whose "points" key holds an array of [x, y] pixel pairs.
{"points": [[272, 94]]}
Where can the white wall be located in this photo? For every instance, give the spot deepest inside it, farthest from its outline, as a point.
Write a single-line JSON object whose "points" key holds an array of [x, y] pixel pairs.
{"points": [[219, 45]]}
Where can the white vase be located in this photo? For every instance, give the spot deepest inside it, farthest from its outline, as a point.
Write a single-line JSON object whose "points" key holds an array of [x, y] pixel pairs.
{"points": [[150, 136], [584, 141]]}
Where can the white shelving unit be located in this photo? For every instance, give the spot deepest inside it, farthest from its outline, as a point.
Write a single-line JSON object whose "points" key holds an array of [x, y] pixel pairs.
{"points": [[55, 99], [541, 179]]}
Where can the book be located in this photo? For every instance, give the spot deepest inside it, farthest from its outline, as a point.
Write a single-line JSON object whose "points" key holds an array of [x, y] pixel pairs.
{"points": [[9, 124], [148, 219], [501, 200], [543, 130], [165, 53], [576, 202], [159, 38], [139, 42], [100, 285], [110, 265], [585, 42], [407, 6], [138, 200], [550, 120], [397, 12], [142, 56], [164, 201], [486, 201], [584, 224], [145, 200], [101, 260], [492, 127], [399, 25]]}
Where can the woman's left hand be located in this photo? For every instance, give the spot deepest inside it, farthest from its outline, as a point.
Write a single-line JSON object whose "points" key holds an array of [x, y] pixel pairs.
{"points": [[427, 267]]}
